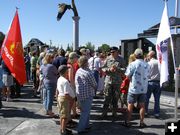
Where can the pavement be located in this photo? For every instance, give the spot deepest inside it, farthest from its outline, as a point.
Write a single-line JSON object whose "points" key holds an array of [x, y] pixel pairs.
{"points": [[26, 116]]}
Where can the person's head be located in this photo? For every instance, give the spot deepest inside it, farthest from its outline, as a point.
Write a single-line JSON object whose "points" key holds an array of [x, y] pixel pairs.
{"points": [[34, 53], [61, 52], [96, 53], [63, 70], [83, 62], [83, 51], [132, 58], [151, 54], [102, 55], [88, 52], [73, 57], [42, 54], [48, 58], [114, 51], [67, 54], [138, 53]]}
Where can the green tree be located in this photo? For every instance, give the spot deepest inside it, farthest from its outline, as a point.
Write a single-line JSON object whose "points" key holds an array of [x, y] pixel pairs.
{"points": [[69, 48], [104, 48], [90, 46]]}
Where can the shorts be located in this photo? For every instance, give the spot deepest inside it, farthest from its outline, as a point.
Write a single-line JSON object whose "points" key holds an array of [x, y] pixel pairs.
{"points": [[7, 80], [133, 98], [63, 107]]}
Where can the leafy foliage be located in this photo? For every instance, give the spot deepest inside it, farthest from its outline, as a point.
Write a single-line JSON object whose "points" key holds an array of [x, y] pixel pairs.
{"points": [[104, 48], [90, 46]]}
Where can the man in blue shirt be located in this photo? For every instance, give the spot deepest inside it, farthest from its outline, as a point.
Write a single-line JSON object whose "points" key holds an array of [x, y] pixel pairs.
{"points": [[137, 72]]}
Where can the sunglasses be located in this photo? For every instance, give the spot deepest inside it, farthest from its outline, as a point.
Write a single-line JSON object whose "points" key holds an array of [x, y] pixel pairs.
{"points": [[113, 51]]}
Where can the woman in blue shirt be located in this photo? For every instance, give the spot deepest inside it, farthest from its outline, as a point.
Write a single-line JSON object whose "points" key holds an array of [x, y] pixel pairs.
{"points": [[50, 74]]}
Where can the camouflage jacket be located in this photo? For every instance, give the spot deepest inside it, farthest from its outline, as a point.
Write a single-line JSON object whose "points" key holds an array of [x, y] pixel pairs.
{"points": [[114, 77]]}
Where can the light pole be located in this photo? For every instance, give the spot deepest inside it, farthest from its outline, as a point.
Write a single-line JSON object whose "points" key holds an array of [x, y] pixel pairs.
{"points": [[62, 9]]}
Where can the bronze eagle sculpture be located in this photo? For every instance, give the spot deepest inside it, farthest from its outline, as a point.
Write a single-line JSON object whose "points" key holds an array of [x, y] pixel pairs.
{"points": [[63, 7]]}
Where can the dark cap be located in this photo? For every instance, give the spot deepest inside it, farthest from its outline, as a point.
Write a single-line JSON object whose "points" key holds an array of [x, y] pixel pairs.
{"points": [[62, 69], [112, 49]]}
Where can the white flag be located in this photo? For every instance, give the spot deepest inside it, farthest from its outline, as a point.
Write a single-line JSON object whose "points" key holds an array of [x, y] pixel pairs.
{"points": [[163, 38]]}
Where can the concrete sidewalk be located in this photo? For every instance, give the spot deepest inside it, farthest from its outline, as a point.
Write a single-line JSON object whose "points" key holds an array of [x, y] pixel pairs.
{"points": [[25, 116], [167, 98]]}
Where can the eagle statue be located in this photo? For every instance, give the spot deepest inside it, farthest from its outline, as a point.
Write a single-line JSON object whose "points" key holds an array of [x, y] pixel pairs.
{"points": [[62, 9]]}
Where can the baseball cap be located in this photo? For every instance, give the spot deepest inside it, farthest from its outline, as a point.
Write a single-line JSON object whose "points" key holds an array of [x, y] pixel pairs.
{"points": [[138, 52]]}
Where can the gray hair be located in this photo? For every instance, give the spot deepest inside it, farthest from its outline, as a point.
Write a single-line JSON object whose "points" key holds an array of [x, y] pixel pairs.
{"points": [[83, 61]]}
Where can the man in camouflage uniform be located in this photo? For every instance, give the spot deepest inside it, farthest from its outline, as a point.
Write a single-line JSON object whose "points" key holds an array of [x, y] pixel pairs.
{"points": [[114, 69]]}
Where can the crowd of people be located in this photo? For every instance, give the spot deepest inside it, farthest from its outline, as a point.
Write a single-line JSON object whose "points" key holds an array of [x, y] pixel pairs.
{"points": [[74, 79]]}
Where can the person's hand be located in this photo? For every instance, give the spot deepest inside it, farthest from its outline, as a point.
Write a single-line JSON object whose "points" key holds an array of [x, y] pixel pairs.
{"points": [[113, 68]]}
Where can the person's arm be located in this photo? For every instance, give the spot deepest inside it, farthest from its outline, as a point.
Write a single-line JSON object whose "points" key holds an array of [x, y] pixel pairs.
{"points": [[92, 80], [70, 76], [105, 68], [57, 93]]}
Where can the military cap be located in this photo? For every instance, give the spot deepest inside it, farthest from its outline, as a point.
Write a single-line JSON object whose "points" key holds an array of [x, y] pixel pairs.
{"points": [[112, 49]]}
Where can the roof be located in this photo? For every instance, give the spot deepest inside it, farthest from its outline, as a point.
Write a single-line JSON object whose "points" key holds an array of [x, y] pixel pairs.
{"points": [[153, 31], [145, 41], [35, 42]]}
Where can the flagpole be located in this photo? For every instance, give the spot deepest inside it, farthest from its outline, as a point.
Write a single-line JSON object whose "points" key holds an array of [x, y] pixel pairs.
{"points": [[176, 75], [176, 70], [176, 78]]}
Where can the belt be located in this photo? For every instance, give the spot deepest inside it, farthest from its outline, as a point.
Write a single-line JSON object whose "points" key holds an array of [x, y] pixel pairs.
{"points": [[154, 81]]}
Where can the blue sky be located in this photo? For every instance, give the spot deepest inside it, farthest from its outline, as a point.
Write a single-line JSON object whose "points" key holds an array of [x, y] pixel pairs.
{"points": [[101, 21]]}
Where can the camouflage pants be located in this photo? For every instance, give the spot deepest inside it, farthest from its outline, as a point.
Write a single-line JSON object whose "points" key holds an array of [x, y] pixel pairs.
{"points": [[112, 93]]}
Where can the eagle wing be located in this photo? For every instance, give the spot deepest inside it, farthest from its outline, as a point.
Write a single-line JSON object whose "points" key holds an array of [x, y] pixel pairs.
{"points": [[62, 9]]}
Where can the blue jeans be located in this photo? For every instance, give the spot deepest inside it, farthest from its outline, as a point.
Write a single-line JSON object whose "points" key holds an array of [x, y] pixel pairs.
{"points": [[96, 76], [153, 87], [85, 106], [48, 96]]}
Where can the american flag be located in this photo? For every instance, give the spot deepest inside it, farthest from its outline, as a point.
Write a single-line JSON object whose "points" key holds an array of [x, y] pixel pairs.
{"points": [[164, 35]]}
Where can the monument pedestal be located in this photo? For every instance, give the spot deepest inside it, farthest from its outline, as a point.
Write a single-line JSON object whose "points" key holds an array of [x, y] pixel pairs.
{"points": [[75, 32]]}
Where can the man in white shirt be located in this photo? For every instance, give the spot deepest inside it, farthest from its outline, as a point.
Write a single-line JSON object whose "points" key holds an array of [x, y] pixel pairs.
{"points": [[95, 67], [153, 84]]}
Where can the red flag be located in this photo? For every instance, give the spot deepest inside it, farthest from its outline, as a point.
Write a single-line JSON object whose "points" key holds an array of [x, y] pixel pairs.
{"points": [[12, 51]]}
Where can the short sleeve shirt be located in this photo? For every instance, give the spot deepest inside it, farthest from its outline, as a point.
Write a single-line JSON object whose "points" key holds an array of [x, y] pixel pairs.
{"points": [[63, 86], [138, 72]]}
